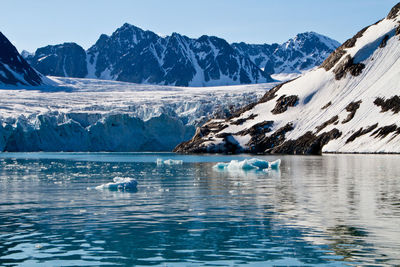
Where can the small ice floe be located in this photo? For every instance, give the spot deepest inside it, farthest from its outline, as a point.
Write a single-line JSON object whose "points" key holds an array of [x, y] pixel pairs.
{"points": [[161, 162], [120, 183], [248, 165]]}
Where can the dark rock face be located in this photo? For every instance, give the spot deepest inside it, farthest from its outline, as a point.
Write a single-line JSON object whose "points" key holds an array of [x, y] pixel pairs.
{"points": [[333, 58], [241, 121], [384, 41], [326, 105], [308, 144], [352, 41], [382, 132], [328, 122], [303, 52], [392, 104], [195, 144], [264, 144], [14, 69], [64, 60], [258, 129], [284, 102], [348, 66], [361, 132], [394, 12], [352, 108]]}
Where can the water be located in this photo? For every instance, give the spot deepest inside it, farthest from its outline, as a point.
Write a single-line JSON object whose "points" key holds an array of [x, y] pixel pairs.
{"points": [[331, 210]]}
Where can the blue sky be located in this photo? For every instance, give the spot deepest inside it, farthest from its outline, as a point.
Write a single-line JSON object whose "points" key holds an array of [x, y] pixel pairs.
{"points": [[32, 24]]}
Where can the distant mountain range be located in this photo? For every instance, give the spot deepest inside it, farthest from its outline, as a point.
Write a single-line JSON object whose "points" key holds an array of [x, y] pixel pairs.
{"points": [[131, 54], [14, 70], [303, 52]]}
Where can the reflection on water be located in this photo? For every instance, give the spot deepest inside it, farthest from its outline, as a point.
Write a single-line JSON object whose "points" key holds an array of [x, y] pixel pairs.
{"points": [[334, 209]]}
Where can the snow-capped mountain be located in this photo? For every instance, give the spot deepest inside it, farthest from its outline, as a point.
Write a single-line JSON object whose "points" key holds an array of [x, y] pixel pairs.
{"points": [[65, 60], [350, 104], [14, 70], [133, 55], [303, 52]]}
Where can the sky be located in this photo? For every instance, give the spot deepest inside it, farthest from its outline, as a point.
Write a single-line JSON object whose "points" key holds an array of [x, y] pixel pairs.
{"points": [[32, 24]]}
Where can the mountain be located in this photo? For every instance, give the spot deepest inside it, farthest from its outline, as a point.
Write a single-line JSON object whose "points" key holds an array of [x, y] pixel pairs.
{"points": [[65, 60], [301, 53], [350, 104], [14, 70], [131, 54]]}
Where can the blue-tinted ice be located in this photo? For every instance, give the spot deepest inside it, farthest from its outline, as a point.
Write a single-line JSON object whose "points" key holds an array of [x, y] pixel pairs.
{"points": [[120, 183], [249, 164]]}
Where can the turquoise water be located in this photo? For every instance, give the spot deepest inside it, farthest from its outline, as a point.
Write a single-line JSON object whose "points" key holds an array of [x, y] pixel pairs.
{"points": [[330, 210]]}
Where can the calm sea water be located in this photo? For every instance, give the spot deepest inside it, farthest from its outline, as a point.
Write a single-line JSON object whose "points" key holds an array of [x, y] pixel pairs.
{"points": [[328, 210]]}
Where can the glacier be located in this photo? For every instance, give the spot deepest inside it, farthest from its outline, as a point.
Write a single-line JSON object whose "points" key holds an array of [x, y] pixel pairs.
{"points": [[98, 115]]}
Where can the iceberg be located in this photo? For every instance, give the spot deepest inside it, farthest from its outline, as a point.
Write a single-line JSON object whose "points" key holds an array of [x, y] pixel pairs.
{"points": [[120, 183], [161, 162], [248, 165]]}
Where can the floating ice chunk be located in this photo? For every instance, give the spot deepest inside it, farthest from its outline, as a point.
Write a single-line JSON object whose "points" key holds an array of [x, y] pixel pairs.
{"points": [[221, 165], [169, 162], [275, 164], [120, 183], [248, 164]]}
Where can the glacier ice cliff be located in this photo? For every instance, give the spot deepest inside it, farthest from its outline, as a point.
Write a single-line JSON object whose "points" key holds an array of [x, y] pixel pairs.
{"points": [[95, 115]]}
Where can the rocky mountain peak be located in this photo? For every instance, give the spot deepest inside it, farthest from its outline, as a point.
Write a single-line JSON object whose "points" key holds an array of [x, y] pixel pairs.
{"points": [[14, 69], [67, 59], [394, 12], [309, 41]]}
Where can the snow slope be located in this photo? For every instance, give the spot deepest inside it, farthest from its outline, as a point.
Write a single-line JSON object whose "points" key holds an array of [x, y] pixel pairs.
{"points": [[349, 104], [99, 115]]}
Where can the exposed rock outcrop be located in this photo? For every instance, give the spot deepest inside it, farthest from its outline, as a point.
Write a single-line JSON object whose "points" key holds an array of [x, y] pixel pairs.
{"points": [[14, 70], [392, 104], [347, 65], [284, 102], [361, 132], [352, 109]]}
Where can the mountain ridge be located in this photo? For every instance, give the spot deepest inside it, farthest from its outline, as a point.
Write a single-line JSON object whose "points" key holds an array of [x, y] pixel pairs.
{"points": [[141, 56], [14, 70]]}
